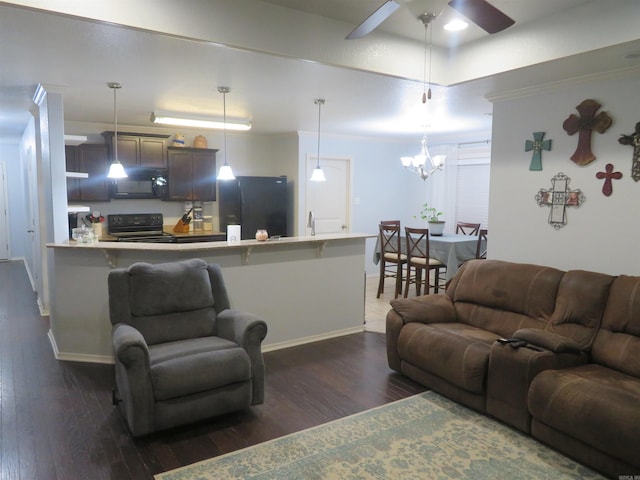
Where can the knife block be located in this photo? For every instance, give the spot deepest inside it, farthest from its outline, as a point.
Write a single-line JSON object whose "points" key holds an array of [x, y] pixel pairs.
{"points": [[181, 227]]}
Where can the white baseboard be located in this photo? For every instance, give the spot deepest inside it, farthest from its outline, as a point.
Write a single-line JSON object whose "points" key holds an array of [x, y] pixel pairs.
{"points": [[313, 338], [77, 357]]}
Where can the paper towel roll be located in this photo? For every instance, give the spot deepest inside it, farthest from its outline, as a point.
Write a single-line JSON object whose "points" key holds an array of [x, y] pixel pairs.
{"points": [[233, 234]]}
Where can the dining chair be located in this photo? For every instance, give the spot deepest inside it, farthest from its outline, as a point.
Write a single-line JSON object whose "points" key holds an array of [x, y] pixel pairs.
{"points": [[392, 259], [418, 260], [481, 250], [390, 222], [466, 228]]}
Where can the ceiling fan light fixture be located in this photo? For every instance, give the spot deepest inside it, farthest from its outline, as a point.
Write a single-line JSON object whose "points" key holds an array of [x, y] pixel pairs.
{"points": [[456, 25]]}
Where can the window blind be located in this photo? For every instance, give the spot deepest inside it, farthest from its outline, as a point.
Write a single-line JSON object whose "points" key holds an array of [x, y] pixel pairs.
{"points": [[472, 184]]}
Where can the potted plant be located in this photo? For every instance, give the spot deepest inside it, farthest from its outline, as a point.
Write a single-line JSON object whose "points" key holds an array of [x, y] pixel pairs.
{"points": [[432, 216]]}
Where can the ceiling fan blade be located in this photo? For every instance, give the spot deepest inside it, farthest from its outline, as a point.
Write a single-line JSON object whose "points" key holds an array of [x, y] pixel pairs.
{"points": [[483, 14], [375, 19]]}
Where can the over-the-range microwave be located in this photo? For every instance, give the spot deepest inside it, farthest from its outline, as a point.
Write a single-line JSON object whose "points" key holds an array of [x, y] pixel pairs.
{"points": [[142, 183]]}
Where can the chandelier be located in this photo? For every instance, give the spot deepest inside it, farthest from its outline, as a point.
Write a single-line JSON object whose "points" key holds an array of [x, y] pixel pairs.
{"points": [[423, 164]]}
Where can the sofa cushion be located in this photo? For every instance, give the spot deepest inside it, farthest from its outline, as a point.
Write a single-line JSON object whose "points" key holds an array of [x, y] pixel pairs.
{"points": [[617, 342], [593, 404], [456, 352], [580, 304], [489, 293], [192, 366]]}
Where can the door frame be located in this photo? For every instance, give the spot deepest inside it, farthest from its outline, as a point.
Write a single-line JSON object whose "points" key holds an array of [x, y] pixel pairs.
{"points": [[5, 240]]}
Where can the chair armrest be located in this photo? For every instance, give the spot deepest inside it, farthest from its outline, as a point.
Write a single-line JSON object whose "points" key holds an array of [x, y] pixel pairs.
{"points": [[248, 331], [425, 309], [129, 346], [547, 340]]}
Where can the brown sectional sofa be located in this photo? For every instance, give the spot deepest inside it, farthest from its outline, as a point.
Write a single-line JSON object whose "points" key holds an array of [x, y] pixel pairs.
{"points": [[574, 385]]}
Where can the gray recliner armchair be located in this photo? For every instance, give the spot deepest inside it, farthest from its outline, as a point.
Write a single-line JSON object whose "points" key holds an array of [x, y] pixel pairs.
{"points": [[181, 354]]}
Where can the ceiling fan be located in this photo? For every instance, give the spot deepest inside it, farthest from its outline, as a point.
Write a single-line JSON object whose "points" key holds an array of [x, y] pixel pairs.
{"points": [[480, 12]]}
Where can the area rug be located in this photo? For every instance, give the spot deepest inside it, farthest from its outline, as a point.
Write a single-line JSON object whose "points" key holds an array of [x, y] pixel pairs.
{"points": [[422, 437]]}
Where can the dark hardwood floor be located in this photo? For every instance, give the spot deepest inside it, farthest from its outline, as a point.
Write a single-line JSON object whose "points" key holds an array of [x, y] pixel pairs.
{"points": [[57, 421]]}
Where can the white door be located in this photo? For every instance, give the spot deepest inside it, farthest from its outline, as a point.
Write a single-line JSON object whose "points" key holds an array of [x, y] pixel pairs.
{"points": [[4, 224], [329, 201]]}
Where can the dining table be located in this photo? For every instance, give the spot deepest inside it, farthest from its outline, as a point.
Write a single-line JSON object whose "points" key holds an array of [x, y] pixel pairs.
{"points": [[449, 248]]}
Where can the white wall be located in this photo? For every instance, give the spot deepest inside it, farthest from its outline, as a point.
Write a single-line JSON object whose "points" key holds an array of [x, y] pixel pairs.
{"points": [[382, 189], [600, 235]]}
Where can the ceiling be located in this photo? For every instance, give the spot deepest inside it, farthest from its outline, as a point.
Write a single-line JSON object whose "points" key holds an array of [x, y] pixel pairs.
{"points": [[275, 77]]}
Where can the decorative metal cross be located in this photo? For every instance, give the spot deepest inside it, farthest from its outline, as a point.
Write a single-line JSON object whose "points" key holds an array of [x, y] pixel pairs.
{"points": [[633, 140], [608, 175], [584, 124], [537, 145], [559, 198]]}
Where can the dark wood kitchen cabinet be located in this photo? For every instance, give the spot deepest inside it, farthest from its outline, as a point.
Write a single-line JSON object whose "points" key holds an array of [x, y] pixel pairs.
{"points": [[139, 150], [90, 159], [192, 173]]}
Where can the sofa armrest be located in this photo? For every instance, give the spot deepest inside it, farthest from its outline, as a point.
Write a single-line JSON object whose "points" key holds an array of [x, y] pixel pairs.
{"points": [[248, 331], [425, 309], [547, 340]]}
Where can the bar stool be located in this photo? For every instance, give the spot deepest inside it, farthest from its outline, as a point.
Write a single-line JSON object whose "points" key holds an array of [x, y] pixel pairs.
{"points": [[391, 257], [417, 240]]}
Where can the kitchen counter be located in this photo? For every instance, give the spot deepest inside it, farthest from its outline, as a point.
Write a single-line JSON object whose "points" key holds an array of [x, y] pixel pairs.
{"points": [[306, 288], [110, 243]]}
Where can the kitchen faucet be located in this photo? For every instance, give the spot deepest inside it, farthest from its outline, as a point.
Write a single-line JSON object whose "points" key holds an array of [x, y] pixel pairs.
{"points": [[311, 223]]}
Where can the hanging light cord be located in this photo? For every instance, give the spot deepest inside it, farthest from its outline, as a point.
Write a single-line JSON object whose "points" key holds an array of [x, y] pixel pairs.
{"points": [[115, 124], [426, 19], [430, 61], [115, 86], [224, 114], [319, 102]]}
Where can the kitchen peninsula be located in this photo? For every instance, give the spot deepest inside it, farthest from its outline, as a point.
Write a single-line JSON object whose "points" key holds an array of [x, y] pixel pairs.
{"points": [[306, 288]]}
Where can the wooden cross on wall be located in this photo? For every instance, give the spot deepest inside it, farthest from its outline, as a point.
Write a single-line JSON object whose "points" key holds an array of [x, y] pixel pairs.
{"points": [[585, 124], [608, 175], [537, 145], [559, 198]]}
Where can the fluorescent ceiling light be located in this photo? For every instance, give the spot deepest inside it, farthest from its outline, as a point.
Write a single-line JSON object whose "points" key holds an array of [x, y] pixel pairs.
{"points": [[456, 25], [198, 123]]}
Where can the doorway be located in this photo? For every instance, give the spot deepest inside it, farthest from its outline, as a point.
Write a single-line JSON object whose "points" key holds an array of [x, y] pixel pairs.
{"points": [[329, 200]]}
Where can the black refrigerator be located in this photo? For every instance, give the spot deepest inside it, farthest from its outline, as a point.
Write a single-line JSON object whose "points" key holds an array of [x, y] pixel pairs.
{"points": [[254, 203]]}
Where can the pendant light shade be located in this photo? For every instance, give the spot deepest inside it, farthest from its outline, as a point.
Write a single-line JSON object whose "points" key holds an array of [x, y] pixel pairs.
{"points": [[318, 174], [225, 172], [116, 169]]}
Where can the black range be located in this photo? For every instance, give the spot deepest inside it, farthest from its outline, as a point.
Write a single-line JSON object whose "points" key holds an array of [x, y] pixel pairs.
{"points": [[138, 227]]}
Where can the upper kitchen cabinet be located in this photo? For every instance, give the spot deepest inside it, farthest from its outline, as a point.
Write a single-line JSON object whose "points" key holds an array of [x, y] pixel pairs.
{"points": [[192, 174], [139, 150], [90, 159]]}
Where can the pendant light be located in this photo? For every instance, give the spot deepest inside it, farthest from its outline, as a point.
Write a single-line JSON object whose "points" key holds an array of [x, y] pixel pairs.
{"points": [[116, 170], [318, 174], [225, 172]]}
